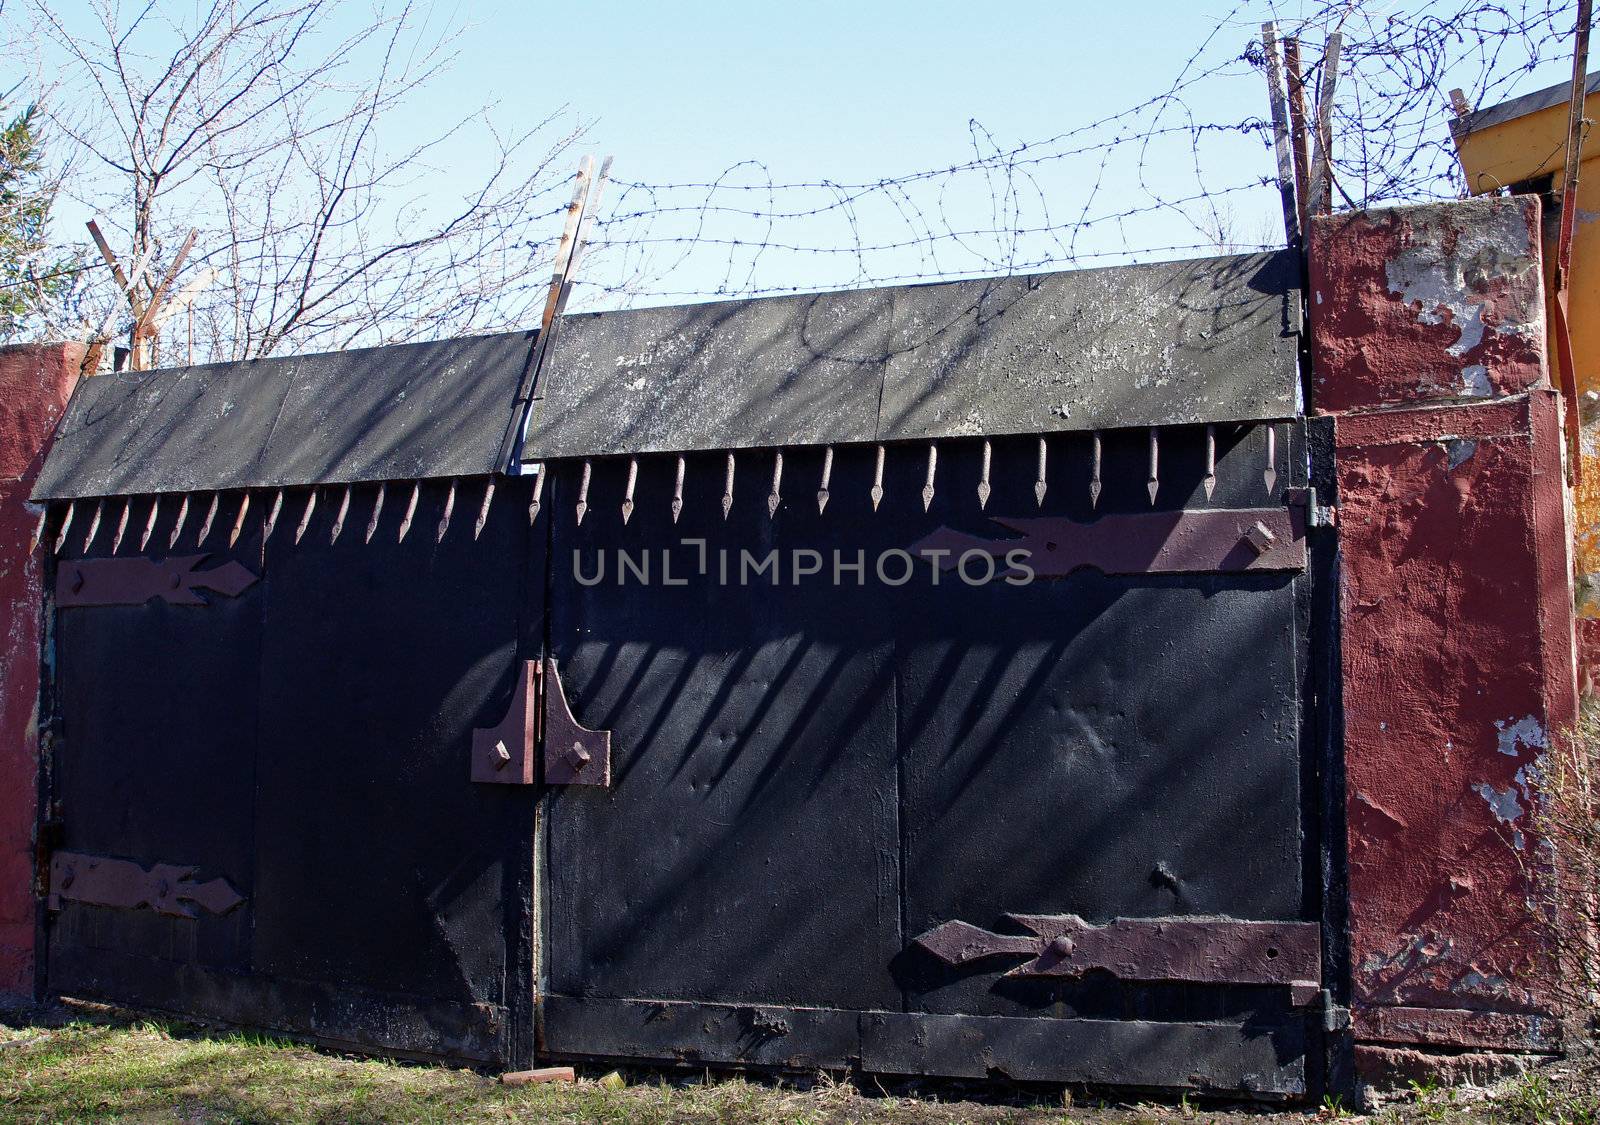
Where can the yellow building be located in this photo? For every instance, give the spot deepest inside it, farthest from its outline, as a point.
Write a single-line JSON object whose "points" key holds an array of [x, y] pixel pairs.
{"points": [[1521, 146]]}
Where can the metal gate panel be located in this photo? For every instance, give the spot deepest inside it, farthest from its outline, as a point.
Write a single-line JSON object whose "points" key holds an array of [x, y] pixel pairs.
{"points": [[1154, 724], [153, 762], [381, 866], [746, 850]]}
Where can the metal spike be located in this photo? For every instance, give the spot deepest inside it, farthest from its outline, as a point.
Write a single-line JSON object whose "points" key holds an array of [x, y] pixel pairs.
{"points": [[94, 524], [483, 510], [1271, 475], [677, 490], [827, 475], [61, 536], [377, 510], [411, 510], [1094, 473], [449, 510], [983, 481], [177, 524], [150, 522], [627, 493], [1039, 485], [877, 482], [238, 523], [583, 493], [211, 515], [727, 488], [38, 528], [122, 524], [1211, 461], [1154, 481], [338, 517], [933, 467], [305, 516], [272, 516], [777, 479], [538, 492]]}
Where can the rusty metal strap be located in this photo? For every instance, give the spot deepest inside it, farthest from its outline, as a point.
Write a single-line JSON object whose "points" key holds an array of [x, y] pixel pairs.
{"points": [[134, 581], [166, 888], [1229, 540], [1199, 950]]}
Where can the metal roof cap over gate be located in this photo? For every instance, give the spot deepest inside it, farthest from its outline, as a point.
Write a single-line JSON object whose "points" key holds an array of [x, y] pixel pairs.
{"points": [[1208, 340]]}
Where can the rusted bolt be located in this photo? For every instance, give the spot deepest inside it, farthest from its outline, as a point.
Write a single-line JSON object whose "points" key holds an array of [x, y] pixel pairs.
{"points": [[1260, 538], [578, 755], [67, 877], [1061, 945], [76, 580], [502, 756], [175, 581]]}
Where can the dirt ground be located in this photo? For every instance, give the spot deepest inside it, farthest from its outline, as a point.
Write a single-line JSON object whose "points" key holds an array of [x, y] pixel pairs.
{"points": [[84, 1064]]}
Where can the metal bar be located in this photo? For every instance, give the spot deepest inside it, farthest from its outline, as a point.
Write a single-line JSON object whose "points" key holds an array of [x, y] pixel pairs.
{"points": [[150, 521], [538, 493], [377, 510], [94, 524], [1270, 475], [135, 580], [1287, 190], [177, 524], [66, 524], [627, 493], [338, 517], [1039, 485], [775, 497], [483, 510], [677, 489], [583, 493], [1210, 480], [983, 479], [1094, 471], [305, 516], [211, 515], [877, 481], [166, 888], [449, 510], [238, 523], [1322, 160], [272, 516], [727, 488], [827, 474], [1153, 481], [1564, 237], [122, 524], [1297, 128], [1188, 541], [411, 510], [933, 468]]}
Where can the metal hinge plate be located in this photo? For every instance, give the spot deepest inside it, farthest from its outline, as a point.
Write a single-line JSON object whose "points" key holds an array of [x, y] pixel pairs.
{"points": [[540, 717]]}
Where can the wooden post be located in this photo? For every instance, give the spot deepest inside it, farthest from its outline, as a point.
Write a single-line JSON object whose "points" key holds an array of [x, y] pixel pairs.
{"points": [[1287, 189]]}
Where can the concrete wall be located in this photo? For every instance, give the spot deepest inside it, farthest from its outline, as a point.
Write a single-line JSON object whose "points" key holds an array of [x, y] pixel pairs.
{"points": [[35, 382], [1458, 668]]}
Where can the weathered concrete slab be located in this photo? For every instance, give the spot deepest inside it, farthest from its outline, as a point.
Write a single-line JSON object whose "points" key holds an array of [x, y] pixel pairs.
{"points": [[1205, 340], [416, 410]]}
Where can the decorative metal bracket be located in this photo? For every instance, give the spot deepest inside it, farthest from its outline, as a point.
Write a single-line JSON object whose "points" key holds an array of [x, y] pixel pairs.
{"points": [[503, 754], [1185, 542], [166, 888], [134, 581], [1201, 950], [573, 755]]}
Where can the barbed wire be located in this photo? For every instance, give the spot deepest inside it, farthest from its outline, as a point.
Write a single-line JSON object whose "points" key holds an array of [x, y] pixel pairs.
{"points": [[1184, 182]]}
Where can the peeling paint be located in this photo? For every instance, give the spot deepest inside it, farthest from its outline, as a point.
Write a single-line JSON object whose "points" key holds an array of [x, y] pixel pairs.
{"points": [[1475, 381], [1459, 451], [1502, 803], [1514, 735]]}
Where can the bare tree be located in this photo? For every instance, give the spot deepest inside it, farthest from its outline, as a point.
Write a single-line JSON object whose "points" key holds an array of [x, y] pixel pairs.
{"points": [[278, 133]]}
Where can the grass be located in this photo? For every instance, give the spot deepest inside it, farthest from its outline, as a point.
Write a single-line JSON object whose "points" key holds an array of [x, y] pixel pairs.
{"points": [[99, 1066]]}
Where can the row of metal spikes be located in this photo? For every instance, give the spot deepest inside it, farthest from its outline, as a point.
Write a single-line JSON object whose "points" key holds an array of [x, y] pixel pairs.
{"points": [[774, 497]]}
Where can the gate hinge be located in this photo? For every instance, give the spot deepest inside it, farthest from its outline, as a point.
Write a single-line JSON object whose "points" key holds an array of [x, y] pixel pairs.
{"points": [[1334, 1016], [503, 754], [1317, 515]]}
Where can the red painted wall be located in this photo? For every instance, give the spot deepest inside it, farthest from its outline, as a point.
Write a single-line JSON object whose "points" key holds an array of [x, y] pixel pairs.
{"points": [[1427, 341], [35, 382]]}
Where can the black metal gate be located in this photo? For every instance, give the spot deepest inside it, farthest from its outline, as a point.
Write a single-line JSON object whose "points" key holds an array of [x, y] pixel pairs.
{"points": [[263, 809], [865, 810]]}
